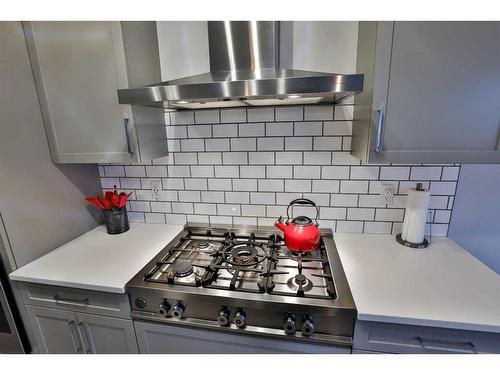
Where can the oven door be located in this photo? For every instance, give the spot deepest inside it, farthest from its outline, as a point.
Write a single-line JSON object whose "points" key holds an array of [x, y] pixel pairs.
{"points": [[10, 341]]}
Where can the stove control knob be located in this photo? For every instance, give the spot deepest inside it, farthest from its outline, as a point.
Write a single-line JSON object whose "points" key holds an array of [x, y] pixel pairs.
{"points": [[179, 310], [290, 324], [240, 318], [223, 317], [140, 302], [164, 307], [307, 326]]}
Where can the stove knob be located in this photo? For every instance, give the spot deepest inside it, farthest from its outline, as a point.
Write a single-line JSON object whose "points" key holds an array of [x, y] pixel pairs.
{"points": [[307, 326], [239, 318], [179, 310], [290, 324], [164, 307], [140, 302], [223, 317]]}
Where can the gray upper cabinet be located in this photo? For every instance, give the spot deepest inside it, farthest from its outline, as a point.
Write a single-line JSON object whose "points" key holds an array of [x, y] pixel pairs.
{"points": [[78, 67], [431, 92]]}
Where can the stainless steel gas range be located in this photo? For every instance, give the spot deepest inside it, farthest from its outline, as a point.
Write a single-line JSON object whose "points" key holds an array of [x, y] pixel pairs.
{"points": [[246, 281]]}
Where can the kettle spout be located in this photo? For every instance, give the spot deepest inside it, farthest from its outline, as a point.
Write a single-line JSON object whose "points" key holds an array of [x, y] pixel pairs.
{"points": [[279, 224]]}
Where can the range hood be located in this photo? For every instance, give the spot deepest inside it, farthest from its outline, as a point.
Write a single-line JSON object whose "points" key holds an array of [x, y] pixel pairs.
{"points": [[245, 71]]}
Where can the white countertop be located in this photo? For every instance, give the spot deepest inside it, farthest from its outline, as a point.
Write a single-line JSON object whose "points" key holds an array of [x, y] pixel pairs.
{"points": [[441, 286], [99, 261]]}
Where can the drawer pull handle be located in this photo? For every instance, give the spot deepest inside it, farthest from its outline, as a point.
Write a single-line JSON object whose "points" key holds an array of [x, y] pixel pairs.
{"points": [[58, 298], [461, 347]]}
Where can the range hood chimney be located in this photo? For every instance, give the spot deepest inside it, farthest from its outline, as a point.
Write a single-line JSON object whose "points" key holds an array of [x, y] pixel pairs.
{"points": [[245, 71]]}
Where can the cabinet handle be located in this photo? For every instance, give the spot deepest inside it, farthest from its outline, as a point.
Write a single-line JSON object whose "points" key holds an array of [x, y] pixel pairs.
{"points": [[129, 146], [79, 347], [88, 349], [468, 347], [58, 298], [378, 132]]}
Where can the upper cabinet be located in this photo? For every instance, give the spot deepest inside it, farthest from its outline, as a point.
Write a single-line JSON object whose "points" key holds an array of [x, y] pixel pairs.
{"points": [[432, 92], [78, 67]]}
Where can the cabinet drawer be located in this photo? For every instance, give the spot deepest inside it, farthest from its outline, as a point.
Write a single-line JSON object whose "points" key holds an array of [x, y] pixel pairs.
{"points": [[398, 338], [88, 301]]}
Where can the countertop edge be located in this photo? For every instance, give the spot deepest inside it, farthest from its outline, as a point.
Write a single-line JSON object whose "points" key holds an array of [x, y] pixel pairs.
{"points": [[69, 284]]}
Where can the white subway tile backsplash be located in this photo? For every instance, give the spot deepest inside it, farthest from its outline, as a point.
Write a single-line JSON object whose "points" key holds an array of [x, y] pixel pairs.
{"points": [[335, 172], [244, 184], [206, 116], [233, 115], [344, 112], [237, 166], [234, 158], [135, 171], [220, 184], [308, 128], [322, 112], [225, 131], [318, 158], [306, 171], [164, 207], [217, 144], [252, 130], [202, 171], [327, 143], [337, 128], [298, 143], [281, 171], [270, 144], [227, 171], [426, 173], [325, 186], [262, 158], [243, 144], [252, 171], [199, 131], [300, 186], [192, 145], [288, 158], [260, 114], [270, 185], [289, 113], [274, 129]]}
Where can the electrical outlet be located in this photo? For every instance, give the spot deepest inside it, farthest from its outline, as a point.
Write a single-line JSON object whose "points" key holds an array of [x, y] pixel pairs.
{"points": [[387, 194], [155, 188]]}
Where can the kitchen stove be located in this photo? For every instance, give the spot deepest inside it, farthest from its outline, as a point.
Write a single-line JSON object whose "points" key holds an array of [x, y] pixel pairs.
{"points": [[247, 281]]}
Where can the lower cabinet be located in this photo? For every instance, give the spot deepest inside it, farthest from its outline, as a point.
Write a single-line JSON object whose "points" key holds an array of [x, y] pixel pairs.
{"points": [[61, 331], [410, 339], [170, 339]]}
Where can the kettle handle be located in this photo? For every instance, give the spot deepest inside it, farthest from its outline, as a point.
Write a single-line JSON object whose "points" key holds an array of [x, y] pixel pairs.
{"points": [[304, 202]]}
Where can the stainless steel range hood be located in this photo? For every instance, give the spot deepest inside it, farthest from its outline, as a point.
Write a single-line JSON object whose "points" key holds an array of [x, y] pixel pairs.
{"points": [[245, 71]]}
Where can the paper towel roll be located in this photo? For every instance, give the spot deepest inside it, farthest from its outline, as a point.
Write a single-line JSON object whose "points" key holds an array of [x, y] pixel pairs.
{"points": [[415, 216]]}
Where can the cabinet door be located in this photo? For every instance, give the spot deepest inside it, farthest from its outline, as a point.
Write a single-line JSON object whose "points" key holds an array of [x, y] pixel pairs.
{"points": [[78, 67], [105, 335], [437, 86], [55, 330], [170, 339]]}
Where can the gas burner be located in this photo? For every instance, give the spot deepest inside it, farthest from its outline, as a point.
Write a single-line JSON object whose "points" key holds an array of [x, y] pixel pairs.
{"points": [[300, 284], [203, 245], [246, 254], [182, 268]]}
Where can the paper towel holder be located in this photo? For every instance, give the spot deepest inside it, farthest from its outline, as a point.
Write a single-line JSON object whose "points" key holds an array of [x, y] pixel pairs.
{"points": [[421, 245]]}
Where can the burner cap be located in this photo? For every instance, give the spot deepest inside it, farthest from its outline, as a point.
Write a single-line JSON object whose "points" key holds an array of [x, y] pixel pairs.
{"points": [[182, 268], [300, 279], [203, 245], [244, 253]]}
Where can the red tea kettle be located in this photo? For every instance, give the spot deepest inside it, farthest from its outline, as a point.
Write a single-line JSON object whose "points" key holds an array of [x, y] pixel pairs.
{"points": [[301, 234]]}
